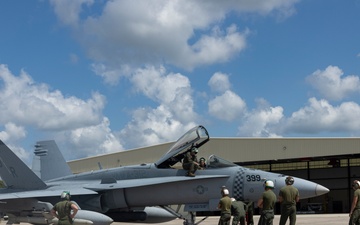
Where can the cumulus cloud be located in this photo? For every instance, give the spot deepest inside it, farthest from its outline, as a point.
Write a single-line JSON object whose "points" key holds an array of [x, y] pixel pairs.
{"points": [[262, 121], [69, 11], [320, 115], [153, 126], [25, 104], [331, 84], [12, 132], [228, 106], [174, 114], [219, 82], [29, 103], [171, 90], [94, 140], [182, 33]]}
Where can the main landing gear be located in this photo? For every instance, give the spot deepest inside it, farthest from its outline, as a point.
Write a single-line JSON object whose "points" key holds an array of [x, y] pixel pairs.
{"points": [[188, 220]]}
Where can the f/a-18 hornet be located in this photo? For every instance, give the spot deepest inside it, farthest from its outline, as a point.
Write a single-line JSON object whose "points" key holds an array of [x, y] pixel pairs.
{"points": [[108, 195]]}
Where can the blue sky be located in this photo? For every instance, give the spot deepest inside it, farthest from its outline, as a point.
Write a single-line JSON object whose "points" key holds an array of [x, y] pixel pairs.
{"points": [[105, 76]]}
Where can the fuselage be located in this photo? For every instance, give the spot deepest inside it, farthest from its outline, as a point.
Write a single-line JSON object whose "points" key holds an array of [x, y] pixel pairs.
{"points": [[147, 185]]}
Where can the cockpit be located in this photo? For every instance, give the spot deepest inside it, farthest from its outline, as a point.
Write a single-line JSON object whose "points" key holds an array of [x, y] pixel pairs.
{"points": [[217, 162], [195, 137]]}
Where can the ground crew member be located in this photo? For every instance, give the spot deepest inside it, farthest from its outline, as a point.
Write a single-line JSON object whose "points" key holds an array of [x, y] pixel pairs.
{"points": [[267, 204], [355, 206], [62, 209], [190, 162], [250, 213], [225, 207], [238, 212], [288, 197]]}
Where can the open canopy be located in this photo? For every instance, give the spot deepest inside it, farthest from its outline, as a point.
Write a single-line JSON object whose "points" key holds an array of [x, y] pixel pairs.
{"points": [[195, 137]]}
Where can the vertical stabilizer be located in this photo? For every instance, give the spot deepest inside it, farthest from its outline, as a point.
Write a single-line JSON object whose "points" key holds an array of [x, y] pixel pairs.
{"points": [[15, 173], [48, 161]]}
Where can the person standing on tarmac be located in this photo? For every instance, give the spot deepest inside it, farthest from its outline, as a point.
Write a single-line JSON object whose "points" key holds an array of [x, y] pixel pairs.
{"points": [[267, 204], [250, 213], [190, 162], [288, 197], [62, 209], [225, 207], [355, 206], [238, 212]]}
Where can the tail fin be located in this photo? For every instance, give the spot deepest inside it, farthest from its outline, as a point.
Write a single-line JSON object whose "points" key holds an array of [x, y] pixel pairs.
{"points": [[48, 161], [15, 173]]}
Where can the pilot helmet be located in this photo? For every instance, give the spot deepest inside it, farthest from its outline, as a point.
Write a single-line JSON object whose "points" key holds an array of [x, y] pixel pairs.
{"points": [[269, 184], [225, 191], [356, 184], [65, 195], [289, 180], [194, 149]]}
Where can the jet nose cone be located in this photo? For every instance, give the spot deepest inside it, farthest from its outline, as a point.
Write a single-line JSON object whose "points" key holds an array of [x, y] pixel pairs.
{"points": [[320, 190]]}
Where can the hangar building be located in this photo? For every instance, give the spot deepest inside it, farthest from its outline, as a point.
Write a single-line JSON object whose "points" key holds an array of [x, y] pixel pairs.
{"points": [[331, 162]]}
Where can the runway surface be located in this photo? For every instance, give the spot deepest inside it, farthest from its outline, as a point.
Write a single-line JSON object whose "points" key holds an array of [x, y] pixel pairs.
{"points": [[308, 219], [313, 219]]}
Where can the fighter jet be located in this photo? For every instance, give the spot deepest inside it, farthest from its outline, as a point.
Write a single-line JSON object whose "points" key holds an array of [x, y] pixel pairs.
{"points": [[123, 191], [48, 163]]}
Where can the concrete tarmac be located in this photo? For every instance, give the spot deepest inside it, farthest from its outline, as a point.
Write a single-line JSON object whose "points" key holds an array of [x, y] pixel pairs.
{"points": [[301, 219]]}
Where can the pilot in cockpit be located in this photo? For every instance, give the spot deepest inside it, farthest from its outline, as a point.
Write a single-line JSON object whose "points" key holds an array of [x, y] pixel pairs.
{"points": [[202, 163], [190, 162]]}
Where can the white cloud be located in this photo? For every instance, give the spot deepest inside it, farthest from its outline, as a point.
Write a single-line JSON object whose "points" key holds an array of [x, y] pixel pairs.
{"points": [[94, 140], [25, 104], [69, 11], [12, 132], [228, 106], [219, 82], [216, 47], [171, 90], [110, 75], [171, 118], [332, 85], [181, 33], [321, 116], [262, 122], [28, 103], [154, 126]]}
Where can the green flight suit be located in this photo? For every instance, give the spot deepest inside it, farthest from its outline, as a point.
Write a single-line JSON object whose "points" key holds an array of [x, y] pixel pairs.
{"points": [[288, 206]]}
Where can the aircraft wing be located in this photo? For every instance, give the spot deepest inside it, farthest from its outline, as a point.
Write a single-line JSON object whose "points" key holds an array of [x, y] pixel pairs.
{"points": [[93, 188], [15, 194], [103, 186]]}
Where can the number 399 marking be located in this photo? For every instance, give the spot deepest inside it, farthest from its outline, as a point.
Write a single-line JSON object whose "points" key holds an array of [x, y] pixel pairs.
{"points": [[252, 178]]}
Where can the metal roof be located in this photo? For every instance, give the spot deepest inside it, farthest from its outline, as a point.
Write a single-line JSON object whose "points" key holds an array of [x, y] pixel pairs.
{"points": [[239, 150]]}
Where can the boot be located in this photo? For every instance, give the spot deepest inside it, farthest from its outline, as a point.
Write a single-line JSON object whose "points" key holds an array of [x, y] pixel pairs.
{"points": [[189, 174]]}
